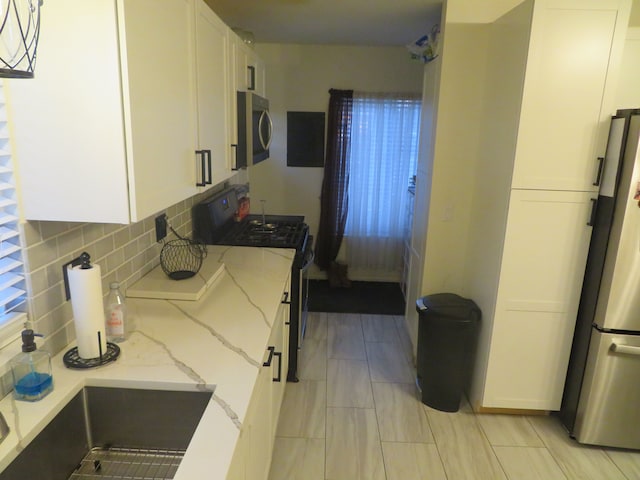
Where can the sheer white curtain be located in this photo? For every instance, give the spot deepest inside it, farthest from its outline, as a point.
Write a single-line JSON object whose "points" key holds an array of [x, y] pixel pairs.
{"points": [[383, 155]]}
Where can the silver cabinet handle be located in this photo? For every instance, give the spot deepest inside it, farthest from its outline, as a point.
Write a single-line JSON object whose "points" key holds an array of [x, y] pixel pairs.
{"points": [[628, 349]]}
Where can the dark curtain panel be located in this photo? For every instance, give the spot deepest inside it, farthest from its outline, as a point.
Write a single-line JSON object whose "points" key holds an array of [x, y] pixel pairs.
{"points": [[333, 199]]}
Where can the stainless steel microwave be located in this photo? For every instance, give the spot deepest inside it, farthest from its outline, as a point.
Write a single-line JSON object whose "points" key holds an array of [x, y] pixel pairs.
{"points": [[254, 129]]}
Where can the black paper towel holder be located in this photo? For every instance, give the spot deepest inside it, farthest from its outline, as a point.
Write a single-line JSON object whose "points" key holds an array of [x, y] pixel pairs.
{"points": [[72, 359]]}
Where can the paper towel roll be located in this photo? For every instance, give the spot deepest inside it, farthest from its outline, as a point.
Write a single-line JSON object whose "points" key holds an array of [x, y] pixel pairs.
{"points": [[85, 286]]}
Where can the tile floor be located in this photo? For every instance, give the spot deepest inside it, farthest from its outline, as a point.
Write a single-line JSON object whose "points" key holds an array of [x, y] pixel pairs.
{"points": [[355, 415]]}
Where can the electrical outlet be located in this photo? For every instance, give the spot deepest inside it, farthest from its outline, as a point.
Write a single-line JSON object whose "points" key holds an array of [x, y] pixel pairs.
{"points": [[161, 227]]}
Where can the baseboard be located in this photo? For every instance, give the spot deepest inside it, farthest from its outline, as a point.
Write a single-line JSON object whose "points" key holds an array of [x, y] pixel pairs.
{"points": [[509, 411]]}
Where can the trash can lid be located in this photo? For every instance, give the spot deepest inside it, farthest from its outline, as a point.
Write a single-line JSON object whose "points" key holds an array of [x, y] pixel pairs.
{"points": [[449, 305]]}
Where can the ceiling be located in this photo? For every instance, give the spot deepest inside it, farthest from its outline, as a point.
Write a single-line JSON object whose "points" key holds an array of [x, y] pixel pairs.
{"points": [[338, 22], [356, 22]]}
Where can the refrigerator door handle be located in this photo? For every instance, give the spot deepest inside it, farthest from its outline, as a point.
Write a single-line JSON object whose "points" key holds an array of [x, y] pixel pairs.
{"points": [[599, 172], [627, 349]]}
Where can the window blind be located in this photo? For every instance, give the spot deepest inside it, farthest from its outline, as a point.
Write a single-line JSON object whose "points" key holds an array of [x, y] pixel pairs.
{"points": [[13, 294]]}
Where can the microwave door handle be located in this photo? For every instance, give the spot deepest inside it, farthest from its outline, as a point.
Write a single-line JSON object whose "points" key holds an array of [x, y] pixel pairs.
{"points": [[265, 145]]}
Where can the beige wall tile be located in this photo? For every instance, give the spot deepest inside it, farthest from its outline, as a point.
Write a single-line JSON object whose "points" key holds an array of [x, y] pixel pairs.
{"points": [[124, 253]]}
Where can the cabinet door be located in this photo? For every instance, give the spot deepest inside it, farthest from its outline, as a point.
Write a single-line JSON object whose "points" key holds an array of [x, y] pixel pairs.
{"points": [[238, 462], [66, 123], [574, 56], [258, 427], [544, 256], [280, 364], [250, 69], [112, 106], [156, 39], [212, 63]]}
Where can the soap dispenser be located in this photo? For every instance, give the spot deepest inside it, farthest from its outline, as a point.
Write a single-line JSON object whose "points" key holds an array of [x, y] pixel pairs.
{"points": [[31, 370]]}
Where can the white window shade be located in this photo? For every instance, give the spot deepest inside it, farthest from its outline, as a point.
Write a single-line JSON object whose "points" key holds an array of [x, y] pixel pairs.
{"points": [[13, 294], [382, 158]]}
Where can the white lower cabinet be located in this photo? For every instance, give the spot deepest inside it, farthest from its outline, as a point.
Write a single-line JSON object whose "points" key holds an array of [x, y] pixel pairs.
{"points": [[252, 455], [545, 250]]}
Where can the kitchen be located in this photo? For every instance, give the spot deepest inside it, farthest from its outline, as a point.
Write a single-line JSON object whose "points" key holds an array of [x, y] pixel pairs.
{"points": [[131, 251]]}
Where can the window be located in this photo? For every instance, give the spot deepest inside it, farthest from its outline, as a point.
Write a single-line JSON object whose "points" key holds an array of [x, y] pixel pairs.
{"points": [[12, 282], [382, 158]]}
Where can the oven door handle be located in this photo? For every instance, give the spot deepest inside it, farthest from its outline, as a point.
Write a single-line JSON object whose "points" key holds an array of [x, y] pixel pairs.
{"points": [[309, 258]]}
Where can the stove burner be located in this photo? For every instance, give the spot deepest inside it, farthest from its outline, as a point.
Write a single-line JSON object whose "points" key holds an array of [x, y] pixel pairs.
{"points": [[275, 232]]}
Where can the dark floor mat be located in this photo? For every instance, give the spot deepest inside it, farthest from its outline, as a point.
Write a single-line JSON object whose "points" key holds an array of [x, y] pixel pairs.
{"points": [[384, 298]]}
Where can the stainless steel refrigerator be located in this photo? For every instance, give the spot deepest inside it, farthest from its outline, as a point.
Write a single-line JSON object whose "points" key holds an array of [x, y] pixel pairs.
{"points": [[601, 402]]}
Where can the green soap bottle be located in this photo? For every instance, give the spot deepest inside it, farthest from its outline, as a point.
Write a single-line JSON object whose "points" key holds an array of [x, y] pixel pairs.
{"points": [[31, 370]]}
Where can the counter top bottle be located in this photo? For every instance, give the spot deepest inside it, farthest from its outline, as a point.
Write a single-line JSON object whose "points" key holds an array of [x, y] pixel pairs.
{"points": [[116, 314], [31, 371]]}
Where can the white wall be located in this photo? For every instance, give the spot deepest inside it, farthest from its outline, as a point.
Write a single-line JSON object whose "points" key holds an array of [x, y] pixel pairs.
{"points": [[460, 104], [298, 79]]}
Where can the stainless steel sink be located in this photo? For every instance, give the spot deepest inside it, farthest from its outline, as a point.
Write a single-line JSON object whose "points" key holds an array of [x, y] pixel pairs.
{"points": [[113, 433]]}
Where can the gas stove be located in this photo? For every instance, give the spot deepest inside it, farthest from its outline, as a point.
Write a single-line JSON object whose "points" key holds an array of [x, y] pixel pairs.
{"points": [[270, 231]]}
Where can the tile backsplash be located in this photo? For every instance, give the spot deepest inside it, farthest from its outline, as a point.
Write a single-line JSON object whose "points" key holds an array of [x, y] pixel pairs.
{"points": [[124, 252]]}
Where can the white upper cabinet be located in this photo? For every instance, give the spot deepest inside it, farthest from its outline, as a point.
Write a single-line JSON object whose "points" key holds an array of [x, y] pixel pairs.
{"points": [[246, 74], [214, 99], [567, 94], [250, 69], [125, 93]]}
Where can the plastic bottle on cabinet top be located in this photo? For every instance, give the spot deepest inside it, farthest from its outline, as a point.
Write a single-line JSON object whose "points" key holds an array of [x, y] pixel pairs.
{"points": [[31, 371], [116, 314]]}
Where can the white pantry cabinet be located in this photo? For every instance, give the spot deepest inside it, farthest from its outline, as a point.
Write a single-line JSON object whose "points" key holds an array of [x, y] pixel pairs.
{"points": [[552, 72], [254, 449], [545, 250], [108, 129], [567, 99]]}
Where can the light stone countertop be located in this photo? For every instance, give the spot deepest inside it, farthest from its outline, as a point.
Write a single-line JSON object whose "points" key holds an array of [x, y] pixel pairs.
{"points": [[215, 343]]}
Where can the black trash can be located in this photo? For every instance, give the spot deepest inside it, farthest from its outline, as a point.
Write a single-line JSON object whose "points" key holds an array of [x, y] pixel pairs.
{"points": [[447, 337]]}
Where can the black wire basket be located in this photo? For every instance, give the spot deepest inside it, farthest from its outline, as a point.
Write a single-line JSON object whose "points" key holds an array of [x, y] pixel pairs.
{"points": [[182, 258]]}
